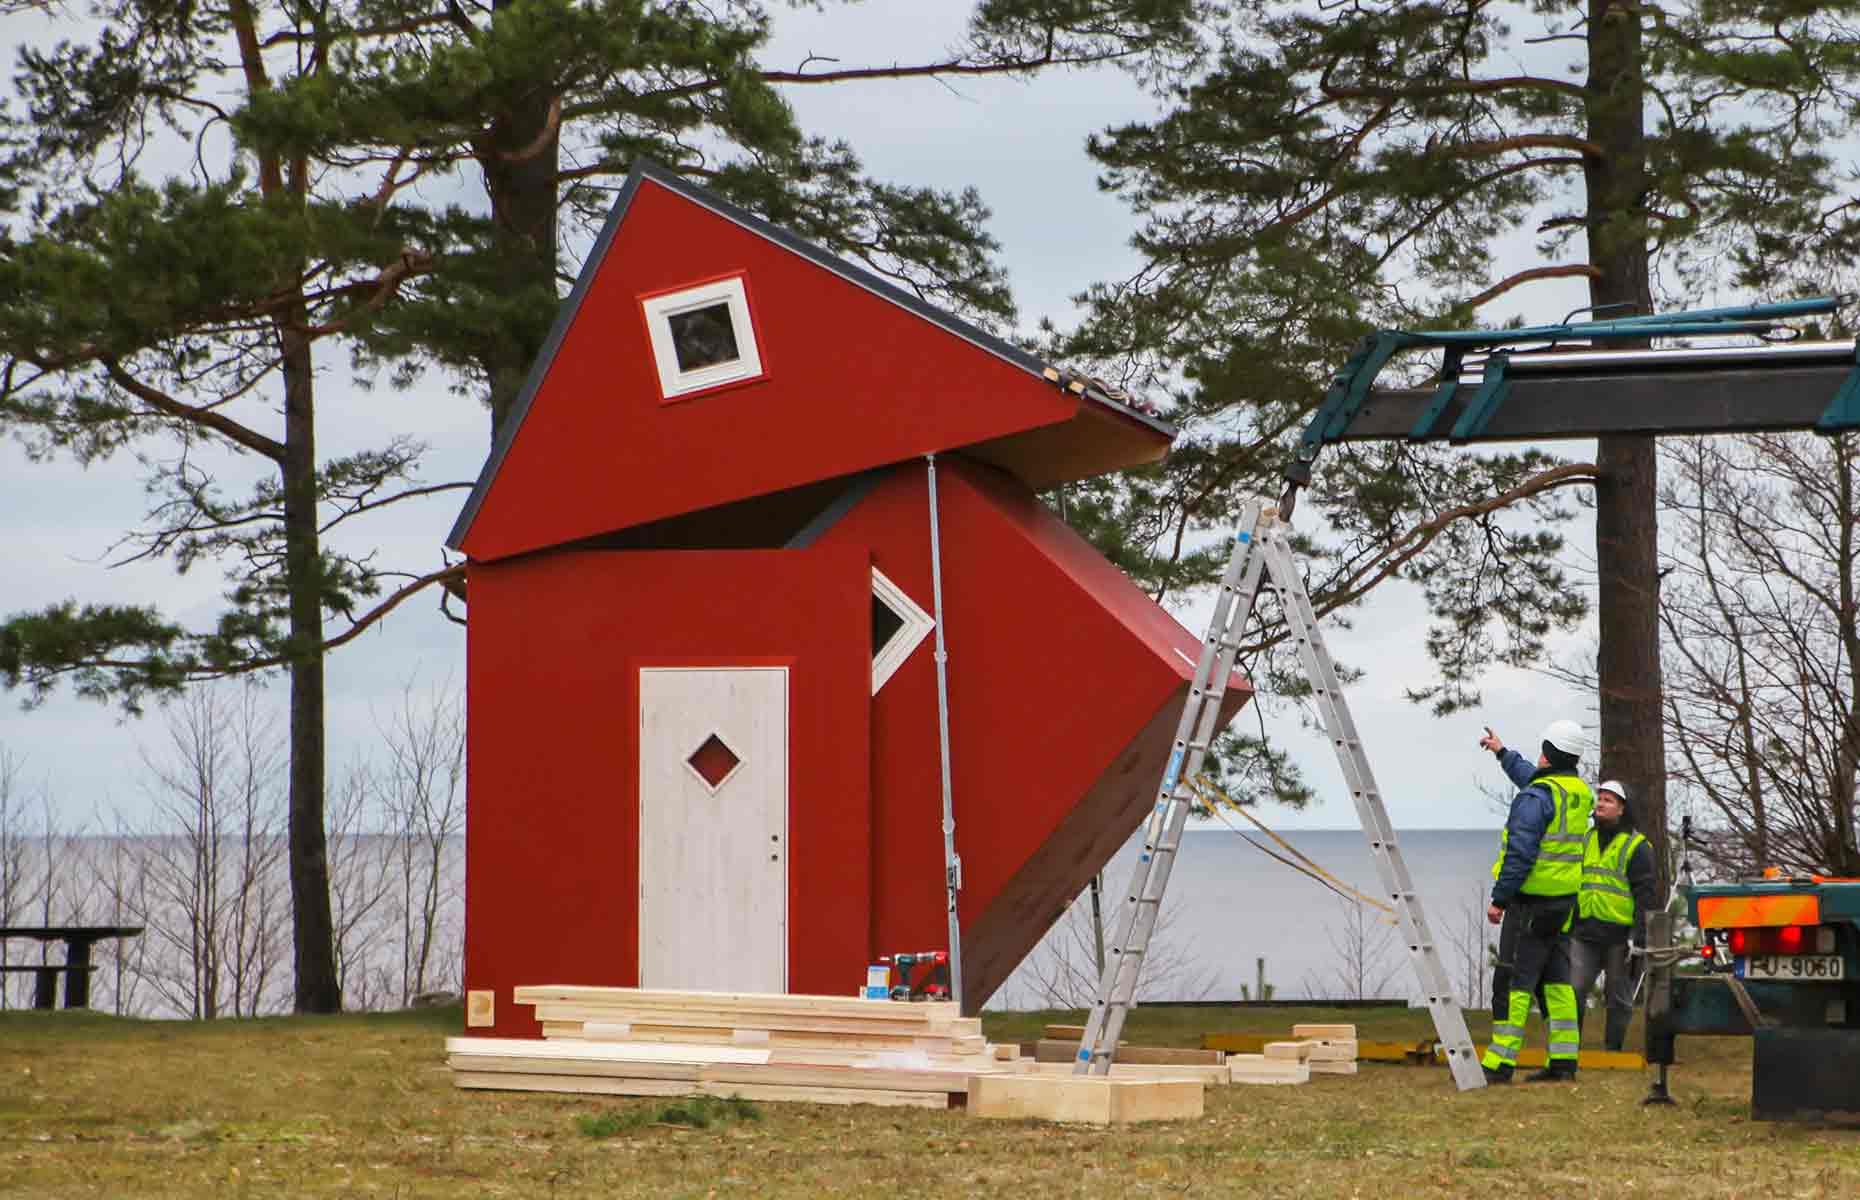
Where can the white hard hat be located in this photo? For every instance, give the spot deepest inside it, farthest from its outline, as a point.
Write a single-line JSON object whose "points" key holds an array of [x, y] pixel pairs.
{"points": [[1567, 736], [1615, 786]]}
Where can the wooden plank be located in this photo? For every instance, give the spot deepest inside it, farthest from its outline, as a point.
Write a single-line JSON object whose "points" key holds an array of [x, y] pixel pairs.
{"points": [[623, 1032], [1200, 1073], [888, 1017], [1162, 1101], [1057, 1051], [1601, 1060], [1238, 1043], [843, 1078], [606, 1051], [838, 1077], [1294, 1051], [1257, 1068], [1333, 1068], [844, 1006], [1345, 1033], [638, 1052], [1422, 1051], [589, 1085], [757, 1019], [1332, 1051], [1089, 1099], [668, 1072]]}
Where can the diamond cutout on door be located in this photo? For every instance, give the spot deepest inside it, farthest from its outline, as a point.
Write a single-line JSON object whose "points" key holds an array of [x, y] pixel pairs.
{"points": [[714, 762]]}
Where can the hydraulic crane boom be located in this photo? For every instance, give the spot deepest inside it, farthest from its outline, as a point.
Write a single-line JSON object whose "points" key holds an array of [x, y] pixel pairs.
{"points": [[1507, 371]]}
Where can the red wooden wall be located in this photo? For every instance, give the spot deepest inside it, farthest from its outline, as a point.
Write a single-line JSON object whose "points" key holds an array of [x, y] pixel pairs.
{"points": [[1057, 664], [555, 646]]}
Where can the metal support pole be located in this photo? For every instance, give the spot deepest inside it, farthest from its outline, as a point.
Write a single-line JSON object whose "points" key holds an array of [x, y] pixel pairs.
{"points": [[1097, 919], [952, 862]]}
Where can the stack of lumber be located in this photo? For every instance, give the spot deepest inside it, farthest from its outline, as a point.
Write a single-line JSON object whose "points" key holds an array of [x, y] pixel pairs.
{"points": [[823, 1049], [1216, 1067], [1332, 1048]]}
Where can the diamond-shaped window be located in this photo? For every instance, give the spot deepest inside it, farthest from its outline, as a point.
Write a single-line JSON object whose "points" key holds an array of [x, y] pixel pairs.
{"points": [[714, 762]]}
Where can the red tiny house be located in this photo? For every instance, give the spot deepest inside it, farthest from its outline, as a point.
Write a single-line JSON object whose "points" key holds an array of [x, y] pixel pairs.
{"points": [[701, 606]]}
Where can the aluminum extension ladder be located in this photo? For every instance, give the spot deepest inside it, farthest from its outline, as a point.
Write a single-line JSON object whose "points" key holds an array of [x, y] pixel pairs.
{"points": [[1260, 547]]}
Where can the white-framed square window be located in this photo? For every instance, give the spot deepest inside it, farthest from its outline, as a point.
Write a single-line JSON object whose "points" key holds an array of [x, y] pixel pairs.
{"points": [[702, 336], [898, 627]]}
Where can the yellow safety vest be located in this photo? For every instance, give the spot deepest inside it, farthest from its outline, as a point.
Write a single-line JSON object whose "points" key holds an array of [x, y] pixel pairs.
{"points": [[1605, 893], [1558, 869]]}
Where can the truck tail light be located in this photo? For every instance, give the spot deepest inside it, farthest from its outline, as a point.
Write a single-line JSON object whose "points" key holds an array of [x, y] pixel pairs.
{"points": [[1785, 939]]}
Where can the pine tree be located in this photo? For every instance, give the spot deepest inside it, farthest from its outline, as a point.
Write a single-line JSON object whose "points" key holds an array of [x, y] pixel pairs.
{"points": [[206, 204], [1355, 166]]}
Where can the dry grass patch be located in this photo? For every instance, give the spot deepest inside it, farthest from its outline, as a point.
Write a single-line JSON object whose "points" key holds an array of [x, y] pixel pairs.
{"points": [[361, 1106]]}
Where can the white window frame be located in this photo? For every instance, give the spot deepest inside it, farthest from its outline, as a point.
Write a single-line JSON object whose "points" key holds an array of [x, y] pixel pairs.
{"points": [[660, 310], [917, 626]]}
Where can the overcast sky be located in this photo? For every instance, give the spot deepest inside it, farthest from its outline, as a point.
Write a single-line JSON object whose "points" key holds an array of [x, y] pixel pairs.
{"points": [[1021, 145]]}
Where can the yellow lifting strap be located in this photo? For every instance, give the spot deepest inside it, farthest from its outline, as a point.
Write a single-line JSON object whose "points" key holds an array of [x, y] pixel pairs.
{"points": [[1217, 799]]}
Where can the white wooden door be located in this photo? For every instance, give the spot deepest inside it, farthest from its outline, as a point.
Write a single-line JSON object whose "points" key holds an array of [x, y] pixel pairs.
{"points": [[713, 829]]}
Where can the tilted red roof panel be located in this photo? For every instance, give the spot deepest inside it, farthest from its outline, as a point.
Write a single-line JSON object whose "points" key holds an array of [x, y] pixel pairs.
{"points": [[854, 375]]}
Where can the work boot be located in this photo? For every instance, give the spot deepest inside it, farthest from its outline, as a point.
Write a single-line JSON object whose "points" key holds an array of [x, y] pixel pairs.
{"points": [[1554, 1073], [1496, 1075]]}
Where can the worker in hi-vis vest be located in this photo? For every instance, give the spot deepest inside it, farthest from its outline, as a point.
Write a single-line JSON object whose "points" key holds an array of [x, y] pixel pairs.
{"points": [[1617, 893], [1535, 881]]}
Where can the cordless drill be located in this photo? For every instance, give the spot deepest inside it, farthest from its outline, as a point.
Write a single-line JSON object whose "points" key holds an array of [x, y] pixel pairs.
{"points": [[933, 984]]}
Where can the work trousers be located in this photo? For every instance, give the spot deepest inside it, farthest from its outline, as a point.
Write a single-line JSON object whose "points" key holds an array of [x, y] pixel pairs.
{"points": [[1509, 930], [1587, 961], [1540, 957]]}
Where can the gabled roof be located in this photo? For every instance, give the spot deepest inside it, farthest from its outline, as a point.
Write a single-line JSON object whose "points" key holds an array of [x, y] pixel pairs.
{"points": [[860, 373]]}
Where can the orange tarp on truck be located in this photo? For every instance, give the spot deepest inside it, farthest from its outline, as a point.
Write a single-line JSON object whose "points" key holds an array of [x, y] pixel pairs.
{"points": [[1736, 912]]}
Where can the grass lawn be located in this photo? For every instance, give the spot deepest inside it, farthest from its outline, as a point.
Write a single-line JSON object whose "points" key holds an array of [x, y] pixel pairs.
{"points": [[362, 1106]]}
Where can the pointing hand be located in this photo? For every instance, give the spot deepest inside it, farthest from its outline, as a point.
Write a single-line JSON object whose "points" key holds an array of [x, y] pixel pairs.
{"points": [[1490, 741]]}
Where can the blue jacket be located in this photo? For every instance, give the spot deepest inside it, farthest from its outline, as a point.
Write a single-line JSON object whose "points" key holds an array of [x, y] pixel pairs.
{"points": [[1532, 811]]}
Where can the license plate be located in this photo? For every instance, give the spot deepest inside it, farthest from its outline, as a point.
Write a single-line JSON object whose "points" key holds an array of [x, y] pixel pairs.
{"points": [[1791, 966]]}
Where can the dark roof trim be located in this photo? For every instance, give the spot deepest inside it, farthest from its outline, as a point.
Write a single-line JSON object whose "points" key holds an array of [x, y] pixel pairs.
{"points": [[829, 516], [818, 255]]}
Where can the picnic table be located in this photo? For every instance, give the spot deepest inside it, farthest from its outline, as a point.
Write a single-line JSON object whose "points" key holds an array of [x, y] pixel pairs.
{"points": [[76, 968]]}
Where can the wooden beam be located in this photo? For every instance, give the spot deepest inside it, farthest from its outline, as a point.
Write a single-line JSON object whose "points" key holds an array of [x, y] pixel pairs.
{"points": [[590, 1085], [1089, 1099], [1054, 1050], [1198, 1072]]}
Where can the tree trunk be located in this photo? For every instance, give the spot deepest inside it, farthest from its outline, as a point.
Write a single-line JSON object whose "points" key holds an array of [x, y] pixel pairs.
{"points": [[518, 156], [312, 930], [1633, 741]]}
